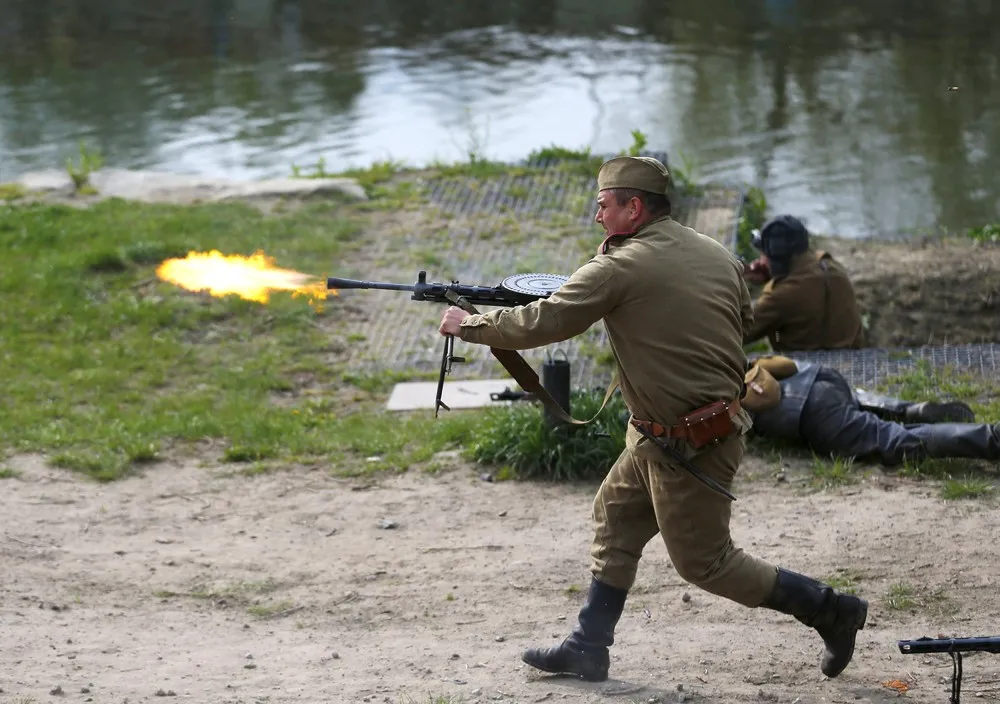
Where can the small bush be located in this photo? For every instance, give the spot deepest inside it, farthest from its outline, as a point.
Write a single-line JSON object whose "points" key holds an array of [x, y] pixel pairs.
{"points": [[517, 437], [753, 216], [986, 233]]}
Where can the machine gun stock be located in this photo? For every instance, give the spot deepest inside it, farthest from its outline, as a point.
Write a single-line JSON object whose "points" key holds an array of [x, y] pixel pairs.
{"points": [[954, 647]]}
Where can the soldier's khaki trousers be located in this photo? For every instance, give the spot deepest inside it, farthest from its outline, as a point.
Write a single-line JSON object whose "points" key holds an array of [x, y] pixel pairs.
{"points": [[642, 497]]}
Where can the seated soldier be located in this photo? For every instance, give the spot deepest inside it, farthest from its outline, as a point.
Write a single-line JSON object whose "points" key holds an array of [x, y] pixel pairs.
{"points": [[802, 401], [808, 302]]}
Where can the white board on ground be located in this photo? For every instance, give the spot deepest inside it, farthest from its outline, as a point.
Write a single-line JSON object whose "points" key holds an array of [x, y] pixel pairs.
{"points": [[473, 393]]}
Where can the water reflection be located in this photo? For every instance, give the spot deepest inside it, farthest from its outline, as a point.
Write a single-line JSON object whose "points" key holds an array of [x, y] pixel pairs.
{"points": [[840, 111]]}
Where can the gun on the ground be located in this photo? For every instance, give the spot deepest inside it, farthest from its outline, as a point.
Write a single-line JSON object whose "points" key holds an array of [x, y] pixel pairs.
{"points": [[954, 647], [516, 290]]}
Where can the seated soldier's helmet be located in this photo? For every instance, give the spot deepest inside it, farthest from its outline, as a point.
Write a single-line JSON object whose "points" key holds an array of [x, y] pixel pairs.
{"points": [[781, 237]]}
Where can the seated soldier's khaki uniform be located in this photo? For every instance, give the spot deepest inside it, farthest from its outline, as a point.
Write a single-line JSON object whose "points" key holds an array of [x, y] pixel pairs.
{"points": [[813, 307]]}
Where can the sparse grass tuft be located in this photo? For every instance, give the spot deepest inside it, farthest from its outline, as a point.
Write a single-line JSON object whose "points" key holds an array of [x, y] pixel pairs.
{"points": [[902, 597], [517, 439], [431, 699], [833, 472], [6, 473], [270, 610], [968, 488], [846, 581], [243, 593]]}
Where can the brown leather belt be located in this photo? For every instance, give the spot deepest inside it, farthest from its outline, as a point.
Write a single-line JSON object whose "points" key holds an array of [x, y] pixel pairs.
{"points": [[675, 431]]}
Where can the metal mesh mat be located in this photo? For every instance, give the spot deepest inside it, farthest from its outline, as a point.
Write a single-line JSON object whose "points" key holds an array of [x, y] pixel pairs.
{"points": [[871, 368], [538, 218]]}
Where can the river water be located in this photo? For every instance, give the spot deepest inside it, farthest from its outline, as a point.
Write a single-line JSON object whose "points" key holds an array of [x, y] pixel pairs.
{"points": [[865, 118]]}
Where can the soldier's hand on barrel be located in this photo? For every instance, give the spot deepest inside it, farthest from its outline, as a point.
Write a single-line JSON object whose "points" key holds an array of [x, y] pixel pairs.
{"points": [[451, 320]]}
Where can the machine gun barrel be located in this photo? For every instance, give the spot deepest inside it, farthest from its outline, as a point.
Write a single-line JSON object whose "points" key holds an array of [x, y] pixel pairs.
{"points": [[334, 282], [434, 292], [990, 644]]}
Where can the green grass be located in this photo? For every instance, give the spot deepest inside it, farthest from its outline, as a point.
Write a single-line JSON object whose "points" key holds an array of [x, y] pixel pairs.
{"points": [[516, 439], [900, 596], [6, 473], [833, 472], [111, 369], [906, 597], [986, 233], [753, 216], [967, 488], [845, 580], [925, 382], [11, 191]]}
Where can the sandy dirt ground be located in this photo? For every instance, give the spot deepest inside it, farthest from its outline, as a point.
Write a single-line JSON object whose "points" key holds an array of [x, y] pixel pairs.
{"points": [[196, 583]]}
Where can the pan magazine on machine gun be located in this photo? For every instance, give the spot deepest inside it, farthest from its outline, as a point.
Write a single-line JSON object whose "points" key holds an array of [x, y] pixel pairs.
{"points": [[954, 647], [516, 290]]}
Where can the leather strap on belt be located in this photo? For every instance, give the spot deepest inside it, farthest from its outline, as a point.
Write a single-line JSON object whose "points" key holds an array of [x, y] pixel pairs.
{"points": [[674, 431]]}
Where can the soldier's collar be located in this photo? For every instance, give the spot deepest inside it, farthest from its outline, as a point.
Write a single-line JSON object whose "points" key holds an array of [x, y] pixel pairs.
{"points": [[606, 244]]}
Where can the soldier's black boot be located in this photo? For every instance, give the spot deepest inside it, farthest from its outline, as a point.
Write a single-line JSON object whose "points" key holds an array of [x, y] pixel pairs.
{"points": [[972, 440], [585, 652], [836, 617], [935, 412]]}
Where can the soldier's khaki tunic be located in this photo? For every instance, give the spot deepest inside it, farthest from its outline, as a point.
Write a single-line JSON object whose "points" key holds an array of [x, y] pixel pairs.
{"points": [[812, 307], [675, 307]]}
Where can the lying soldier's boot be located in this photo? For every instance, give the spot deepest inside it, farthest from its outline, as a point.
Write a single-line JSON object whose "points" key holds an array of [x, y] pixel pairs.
{"points": [[934, 412], [836, 617], [969, 440], [585, 652]]}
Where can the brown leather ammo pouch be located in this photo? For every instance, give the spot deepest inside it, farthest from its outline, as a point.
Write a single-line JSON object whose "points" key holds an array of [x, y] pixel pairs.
{"points": [[709, 424]]}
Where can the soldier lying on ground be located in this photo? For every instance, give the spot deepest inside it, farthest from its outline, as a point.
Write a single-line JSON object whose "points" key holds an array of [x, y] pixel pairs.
{"points": [[814, 404], [675, 306], [808, 301]]}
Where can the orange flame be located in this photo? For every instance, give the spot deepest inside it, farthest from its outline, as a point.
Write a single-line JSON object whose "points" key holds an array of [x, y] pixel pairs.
{"points": [[251, 278]]}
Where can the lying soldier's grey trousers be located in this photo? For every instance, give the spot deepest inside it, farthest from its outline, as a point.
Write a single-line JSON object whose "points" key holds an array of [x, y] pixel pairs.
{"points": [[819, 408]]}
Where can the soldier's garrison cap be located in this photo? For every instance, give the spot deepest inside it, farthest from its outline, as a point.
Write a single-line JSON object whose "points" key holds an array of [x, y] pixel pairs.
{"points": [[643, 173]]}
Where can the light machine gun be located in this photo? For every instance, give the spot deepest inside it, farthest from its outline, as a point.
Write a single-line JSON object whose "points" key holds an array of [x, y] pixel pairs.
{"points": [[516, 290], [954, 647]]}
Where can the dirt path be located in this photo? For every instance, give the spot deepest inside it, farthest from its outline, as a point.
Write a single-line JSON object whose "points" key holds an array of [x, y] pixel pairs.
{"points": [[284, 588]]}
